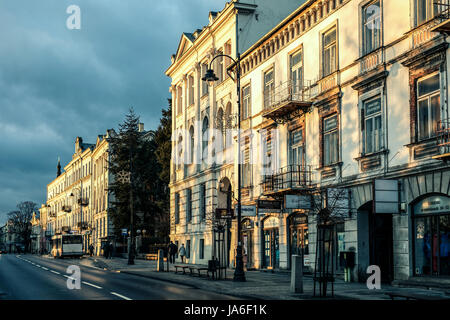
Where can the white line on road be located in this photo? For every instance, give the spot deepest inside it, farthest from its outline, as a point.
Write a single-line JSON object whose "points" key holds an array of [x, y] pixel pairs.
{"points": [[55, 272], [38, 266], [92, 285], [120, 296], [44, 268]]}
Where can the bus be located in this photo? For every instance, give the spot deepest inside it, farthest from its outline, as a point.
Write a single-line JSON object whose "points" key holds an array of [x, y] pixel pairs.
{"points": [[67, 245]]}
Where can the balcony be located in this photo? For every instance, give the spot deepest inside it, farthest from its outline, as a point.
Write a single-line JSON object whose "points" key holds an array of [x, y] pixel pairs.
{"points": [[290, 178], [443, 17], [286, 101], [66, 208], [371, 61], [443, 136]]}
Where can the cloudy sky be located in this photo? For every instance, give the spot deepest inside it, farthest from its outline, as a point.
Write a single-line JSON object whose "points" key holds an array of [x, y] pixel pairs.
{"points": [[57, 84]]}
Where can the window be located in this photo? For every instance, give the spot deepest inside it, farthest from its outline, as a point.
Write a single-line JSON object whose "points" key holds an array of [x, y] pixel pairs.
{"points": [[177, 208], [191, 89], [267, 152], [180, 100], [371, 26], [180, 151], [191, 146], [296, 71], [203, 201], [329, 52], [330, 140], [188, 249], [204, 83], [205, 138], [371, 126], [246, 166], [269, 86], [188, 205], [227, 60], [202, 249], [296, 147], [246, 104], [220, 67], [428, 106], [425, 10]]}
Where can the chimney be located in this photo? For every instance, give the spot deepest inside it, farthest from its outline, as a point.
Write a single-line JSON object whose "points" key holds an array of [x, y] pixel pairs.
{"points": [[141, 127]]}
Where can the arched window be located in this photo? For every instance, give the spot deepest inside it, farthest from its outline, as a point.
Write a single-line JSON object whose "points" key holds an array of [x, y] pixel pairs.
{"points": [[191, 144], [205, 137]]}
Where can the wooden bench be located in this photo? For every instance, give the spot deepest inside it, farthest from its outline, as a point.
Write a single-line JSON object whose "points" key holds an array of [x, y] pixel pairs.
{"points": [[414, 296], [198, 269], [181, 267]]}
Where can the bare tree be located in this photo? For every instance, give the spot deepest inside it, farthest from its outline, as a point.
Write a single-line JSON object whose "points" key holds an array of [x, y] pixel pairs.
{"points": [[21, 220]]}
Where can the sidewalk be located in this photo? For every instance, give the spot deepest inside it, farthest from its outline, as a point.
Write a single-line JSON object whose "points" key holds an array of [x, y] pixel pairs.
{"points": [[259, 284]]}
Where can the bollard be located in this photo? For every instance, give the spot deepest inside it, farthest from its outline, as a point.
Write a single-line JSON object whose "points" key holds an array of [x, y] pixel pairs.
{"points": [[160, 265], [297, 274]]}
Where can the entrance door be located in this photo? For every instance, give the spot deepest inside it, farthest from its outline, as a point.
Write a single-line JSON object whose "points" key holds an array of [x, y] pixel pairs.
{"points": [[271, 248], [381, 245], [247, 249]]}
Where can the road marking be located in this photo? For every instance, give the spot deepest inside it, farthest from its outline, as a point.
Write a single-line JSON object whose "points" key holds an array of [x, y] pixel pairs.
{"points": [[44, 268], [69, 277], [92, 285], [120, 296], [37, 265], [55, 272]]}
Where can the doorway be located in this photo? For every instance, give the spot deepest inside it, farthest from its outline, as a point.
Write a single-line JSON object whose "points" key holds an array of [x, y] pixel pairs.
{"points": [[271, 248], [381, 244]]}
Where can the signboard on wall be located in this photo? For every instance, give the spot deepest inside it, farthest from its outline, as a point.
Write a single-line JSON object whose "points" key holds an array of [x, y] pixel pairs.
{"points": [[248, 211], [294, 201], [224, 213], [269, 204], [386, 196], [433, 205]]}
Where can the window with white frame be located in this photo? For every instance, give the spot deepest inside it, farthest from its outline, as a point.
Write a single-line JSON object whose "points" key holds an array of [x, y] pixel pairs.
{"points": [[329, 52], [425, 10], [296, 70], [371, 125], [428, 106], [246, 104], [330, 140], [296, 147], [269, 86], [371, 19], [267, 152]]}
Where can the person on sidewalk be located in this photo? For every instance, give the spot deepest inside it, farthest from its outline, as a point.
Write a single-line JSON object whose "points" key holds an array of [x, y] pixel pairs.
{"points": [[111, 250], [182, 252], [172, 251], [91, 250]]}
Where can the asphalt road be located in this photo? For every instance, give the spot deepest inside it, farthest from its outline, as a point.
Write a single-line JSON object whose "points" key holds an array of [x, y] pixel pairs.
{"points": [[28, 277]]}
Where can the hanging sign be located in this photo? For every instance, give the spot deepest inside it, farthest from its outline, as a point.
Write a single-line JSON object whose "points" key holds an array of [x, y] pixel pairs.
{"points": [[248, 211], [386, 196]]}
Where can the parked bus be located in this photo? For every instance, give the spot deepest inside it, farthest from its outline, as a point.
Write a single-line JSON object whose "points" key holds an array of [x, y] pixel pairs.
{"points": [[67, 245]]}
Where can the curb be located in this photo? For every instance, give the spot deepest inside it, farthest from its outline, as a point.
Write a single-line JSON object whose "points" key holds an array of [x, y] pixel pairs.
{"points": [[246, 297]]}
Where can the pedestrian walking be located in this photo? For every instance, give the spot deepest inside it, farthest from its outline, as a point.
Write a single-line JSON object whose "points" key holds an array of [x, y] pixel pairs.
{"points": [[182, 252], [172, 250], [91, 250]]}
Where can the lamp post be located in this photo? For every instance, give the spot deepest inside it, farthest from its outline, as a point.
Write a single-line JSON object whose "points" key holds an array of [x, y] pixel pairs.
{"points": [[210, 78]]}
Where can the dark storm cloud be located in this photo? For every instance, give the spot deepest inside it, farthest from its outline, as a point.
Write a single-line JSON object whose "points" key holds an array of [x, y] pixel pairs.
{"points": [[56, 84]]}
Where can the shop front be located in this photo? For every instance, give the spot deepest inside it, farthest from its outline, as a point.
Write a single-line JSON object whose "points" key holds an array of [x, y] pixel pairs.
{"points": [[271, 242], [431, 231], [298, 236]]}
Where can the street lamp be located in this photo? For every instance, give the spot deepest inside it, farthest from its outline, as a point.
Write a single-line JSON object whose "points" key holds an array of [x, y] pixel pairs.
{"points": [[210, 78]]}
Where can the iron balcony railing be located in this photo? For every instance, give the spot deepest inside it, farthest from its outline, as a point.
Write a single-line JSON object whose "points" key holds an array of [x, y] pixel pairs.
{"points": [[287, 92], [443, 9], [443, 135], [290, 177]]}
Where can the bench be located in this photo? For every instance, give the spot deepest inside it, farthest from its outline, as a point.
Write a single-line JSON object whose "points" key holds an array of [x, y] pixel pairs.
{"points": [[181, 267], [199, 269], [414, 296]]}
